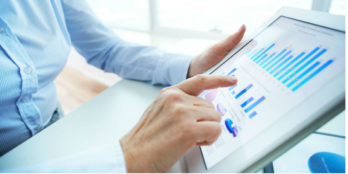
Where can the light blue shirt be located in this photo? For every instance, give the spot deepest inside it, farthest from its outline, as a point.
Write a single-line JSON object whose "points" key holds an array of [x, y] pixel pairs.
{"points": [[35, 40]]}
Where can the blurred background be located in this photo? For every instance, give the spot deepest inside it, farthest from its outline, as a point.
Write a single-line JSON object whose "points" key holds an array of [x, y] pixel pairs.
{"points": [[180, 26]]}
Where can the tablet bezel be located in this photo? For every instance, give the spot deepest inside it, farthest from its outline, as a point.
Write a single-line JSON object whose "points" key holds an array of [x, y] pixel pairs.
{"points": [[281, 136]]}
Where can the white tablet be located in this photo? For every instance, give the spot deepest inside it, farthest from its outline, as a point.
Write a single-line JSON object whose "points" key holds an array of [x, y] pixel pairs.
{"points": [[291, 80]]}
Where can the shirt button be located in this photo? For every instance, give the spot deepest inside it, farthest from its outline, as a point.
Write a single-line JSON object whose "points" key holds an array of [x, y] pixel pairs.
{"points": [[28, 70], [2, 29]]}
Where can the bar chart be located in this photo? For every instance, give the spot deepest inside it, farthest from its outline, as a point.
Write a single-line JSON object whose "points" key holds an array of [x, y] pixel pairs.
{"points": [[291, 68], [246, 104], [241, 93], [277, 70]]}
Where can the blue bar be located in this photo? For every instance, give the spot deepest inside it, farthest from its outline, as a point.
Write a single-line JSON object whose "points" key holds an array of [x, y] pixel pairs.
{"points": [[264, 66], [232, 71], [303, 66], [313, 74], [303, 74], [276, 62], [267, 59], [264, 51], [253, 114], [299, 62], [243, 91], [255, 104], [246, 102], [281, 64], [286, 66], [252, 57], [265, 55]]}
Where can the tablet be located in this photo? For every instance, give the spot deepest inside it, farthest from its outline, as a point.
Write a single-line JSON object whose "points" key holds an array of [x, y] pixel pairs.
{"points": [[290, 81]]}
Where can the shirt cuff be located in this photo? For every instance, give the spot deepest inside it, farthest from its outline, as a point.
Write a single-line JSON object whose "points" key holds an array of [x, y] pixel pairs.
{"points": [[172, 70]]}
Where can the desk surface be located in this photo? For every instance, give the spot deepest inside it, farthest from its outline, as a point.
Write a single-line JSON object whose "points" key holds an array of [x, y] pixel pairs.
{"points": [[102, 120]]}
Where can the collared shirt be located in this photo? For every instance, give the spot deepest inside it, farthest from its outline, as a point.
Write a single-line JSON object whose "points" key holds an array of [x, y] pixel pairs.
{"points": [[35, 40]]}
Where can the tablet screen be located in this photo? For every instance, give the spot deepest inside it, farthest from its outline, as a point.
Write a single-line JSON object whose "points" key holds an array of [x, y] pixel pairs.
{"points": [[278, 69]]}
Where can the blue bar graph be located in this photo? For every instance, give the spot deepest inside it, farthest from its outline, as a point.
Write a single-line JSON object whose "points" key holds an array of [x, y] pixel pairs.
{"points": [[281, 64], [313, 75], [247, 101], [272, 45], [232, 71], [287, 65], [257, 53], [277, 61], [299, 63], [243, 91], [255, 104], [253, 114], [303, 74], [305, 65], [263, 57], [267, 59], [311, 60], [264, 66]]}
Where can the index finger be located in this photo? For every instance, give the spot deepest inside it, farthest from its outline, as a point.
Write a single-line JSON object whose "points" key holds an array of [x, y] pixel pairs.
{"points": [[199, 83]]}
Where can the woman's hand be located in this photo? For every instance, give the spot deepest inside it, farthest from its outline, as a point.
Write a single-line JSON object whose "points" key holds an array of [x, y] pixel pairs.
{"points": [[215, 54], [174, 123]]}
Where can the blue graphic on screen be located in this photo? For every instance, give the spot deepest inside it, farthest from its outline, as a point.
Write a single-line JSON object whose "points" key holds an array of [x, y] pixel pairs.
{"points": [[244, 91], [291, 68], [249, 104]]}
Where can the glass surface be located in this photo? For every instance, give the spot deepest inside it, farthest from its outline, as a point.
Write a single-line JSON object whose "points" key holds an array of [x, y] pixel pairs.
{"points": [[277, 70]]}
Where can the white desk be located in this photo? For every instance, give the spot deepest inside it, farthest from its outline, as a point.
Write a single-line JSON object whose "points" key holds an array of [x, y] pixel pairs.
{"points": [[102, 120]]}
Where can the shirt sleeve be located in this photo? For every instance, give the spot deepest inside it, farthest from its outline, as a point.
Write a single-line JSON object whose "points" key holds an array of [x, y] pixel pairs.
{"points": [[106, 159], [104, 49]]}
